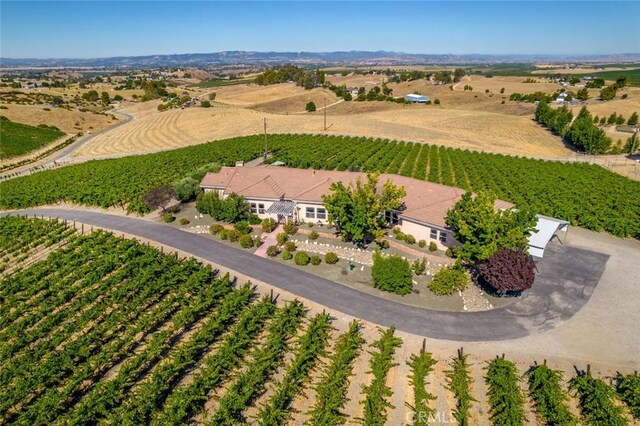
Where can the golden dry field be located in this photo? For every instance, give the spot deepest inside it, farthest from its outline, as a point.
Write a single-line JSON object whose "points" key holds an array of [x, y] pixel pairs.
{"points": [[510, 85], [471, 129], [367, 81], [459, 99], [70, 122]]}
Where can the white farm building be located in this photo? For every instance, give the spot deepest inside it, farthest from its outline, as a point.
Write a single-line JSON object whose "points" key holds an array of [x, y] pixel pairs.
{"points": [[414, 98]]}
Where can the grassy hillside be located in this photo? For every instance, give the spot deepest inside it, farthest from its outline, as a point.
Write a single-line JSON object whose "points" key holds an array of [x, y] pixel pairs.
{"points": [[18, 139], [587, 195]]}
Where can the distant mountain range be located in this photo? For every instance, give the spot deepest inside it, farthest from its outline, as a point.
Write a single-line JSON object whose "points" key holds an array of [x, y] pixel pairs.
{"points": [[362, 58]]}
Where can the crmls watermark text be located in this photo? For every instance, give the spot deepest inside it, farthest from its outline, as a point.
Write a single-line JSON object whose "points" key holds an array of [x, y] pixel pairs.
{"points": [[437, 418]]}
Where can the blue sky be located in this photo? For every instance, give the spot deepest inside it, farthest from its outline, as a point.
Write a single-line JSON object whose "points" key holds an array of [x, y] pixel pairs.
{"points": [[118, 28]]}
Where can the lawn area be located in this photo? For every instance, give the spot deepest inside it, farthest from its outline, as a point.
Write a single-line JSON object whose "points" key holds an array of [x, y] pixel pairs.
{"points": [[18, 139]]}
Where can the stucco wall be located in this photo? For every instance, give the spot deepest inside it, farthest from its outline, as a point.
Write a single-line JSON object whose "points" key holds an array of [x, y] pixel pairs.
{"points": [[423, 232]]}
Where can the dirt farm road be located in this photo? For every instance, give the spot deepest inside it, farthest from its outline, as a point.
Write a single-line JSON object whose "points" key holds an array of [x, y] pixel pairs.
{"points": [[567, 278]]}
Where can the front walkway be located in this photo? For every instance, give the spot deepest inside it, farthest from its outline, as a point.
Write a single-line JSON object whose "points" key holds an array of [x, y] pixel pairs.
{"points": [[270, 240]]}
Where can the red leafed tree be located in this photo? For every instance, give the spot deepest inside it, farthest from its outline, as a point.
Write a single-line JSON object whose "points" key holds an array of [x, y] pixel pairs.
{"points": [[508, 270]]}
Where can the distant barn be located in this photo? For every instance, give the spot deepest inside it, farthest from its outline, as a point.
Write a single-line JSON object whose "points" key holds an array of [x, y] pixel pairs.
{"points": [[415, 98]]}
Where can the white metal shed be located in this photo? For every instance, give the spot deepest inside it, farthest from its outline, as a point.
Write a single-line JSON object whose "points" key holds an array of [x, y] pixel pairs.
{"points": [[547, 229]]}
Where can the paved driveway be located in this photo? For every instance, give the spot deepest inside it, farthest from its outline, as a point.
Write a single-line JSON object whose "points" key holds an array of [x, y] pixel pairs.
{"points": [[567, 279]]}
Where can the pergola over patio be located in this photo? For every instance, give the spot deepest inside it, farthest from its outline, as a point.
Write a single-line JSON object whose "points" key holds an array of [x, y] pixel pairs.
{"points": [[281, 208]]}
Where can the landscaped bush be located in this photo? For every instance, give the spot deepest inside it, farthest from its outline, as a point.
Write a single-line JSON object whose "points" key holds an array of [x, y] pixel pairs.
{"points": [[391, 273], [384, 244], [223, 234], [272, 251], [508, 270], [233, 208], [286, 255], [422, 243], [433, 246], [399, 235], [242, 227], [186, 189], [269, 225], [216, 228], [290, 246], [315, 260], [168, 218], [331, 258], [290, 227], [257, 241], [448, 280], [302, 258], [184, 221], [310, 224], [254, 219], [409, 239], [313, 235], [281, 238], [233, 235], [419, 266], [246, 241]]}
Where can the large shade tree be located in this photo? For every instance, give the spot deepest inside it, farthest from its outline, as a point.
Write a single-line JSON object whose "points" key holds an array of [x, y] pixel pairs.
{"points": [[482, 229], [359, 210]]}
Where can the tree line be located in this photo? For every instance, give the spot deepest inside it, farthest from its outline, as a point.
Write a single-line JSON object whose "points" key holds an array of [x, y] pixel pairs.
{"points": [[291, 73]]}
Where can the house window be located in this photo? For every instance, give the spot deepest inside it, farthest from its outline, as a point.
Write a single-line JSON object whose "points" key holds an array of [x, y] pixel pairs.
{"points": [[443, 237], [254, 209], [261, 209], [392, 218], [321, 213], [310, 213], [434, 234]]}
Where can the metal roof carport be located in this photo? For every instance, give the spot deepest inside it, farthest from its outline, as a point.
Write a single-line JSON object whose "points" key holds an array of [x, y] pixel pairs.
{"points": [[547, 228]]}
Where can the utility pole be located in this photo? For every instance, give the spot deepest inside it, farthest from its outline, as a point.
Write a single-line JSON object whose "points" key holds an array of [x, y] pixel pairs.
{"points": [[325, 114], [265, 139]]}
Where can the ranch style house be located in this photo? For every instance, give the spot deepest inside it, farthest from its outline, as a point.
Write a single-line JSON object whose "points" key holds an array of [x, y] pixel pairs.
{"points": [[286, 193]]}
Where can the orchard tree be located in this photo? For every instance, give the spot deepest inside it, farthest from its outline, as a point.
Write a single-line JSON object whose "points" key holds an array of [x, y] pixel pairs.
{"points": [[91, 96], [585, 136], [582, 94], [508, 271], [358, 210], [608, 93], [104, 97], [621, 82], [482, 230], [633, 120]]}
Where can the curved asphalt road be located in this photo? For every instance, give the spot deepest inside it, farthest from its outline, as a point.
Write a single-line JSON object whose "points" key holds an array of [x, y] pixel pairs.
{"points": [[566, 281]]}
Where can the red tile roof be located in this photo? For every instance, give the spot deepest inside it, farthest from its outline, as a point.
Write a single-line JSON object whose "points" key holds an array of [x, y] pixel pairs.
{"points": [[425, 201]]}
